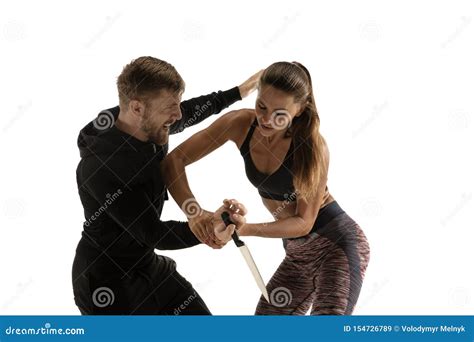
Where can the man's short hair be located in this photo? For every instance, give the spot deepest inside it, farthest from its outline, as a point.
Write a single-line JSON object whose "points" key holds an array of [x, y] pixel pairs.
{"points": [[145, 77]]}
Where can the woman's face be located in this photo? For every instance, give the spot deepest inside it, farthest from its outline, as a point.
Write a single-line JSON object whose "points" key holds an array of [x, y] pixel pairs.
{"points": [[275, 110]]}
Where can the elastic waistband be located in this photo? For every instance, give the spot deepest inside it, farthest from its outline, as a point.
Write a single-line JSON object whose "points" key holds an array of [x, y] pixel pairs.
{"points": [[326, 214]]}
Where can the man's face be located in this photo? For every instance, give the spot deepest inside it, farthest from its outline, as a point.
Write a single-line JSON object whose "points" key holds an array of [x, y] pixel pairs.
{"points": [[160, 113]]}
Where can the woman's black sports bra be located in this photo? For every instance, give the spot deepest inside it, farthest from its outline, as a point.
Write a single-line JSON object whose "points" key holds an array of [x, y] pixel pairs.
{"points": [[276, 186]]}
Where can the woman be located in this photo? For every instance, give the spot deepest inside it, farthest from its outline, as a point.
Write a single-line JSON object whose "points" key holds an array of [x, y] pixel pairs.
{"points": [[287, 159]]}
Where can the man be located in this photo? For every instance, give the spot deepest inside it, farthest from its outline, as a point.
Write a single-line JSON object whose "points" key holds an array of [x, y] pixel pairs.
{"points": [[115, 270]]}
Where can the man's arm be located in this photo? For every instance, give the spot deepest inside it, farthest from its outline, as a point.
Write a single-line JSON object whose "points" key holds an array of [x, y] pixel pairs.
{"points": [[199, 108], [134, 211]]}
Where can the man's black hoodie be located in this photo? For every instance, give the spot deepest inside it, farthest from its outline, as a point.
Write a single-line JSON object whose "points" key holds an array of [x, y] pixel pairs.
{"points": [[123, 193]]}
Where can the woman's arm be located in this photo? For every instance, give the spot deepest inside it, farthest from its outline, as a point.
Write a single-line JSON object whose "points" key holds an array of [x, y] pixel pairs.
{"points": [[295, 226], [227, 127]]}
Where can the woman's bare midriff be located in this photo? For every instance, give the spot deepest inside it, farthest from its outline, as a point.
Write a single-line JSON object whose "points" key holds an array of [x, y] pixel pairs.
{"points": [[284, 209], [278, 209]]}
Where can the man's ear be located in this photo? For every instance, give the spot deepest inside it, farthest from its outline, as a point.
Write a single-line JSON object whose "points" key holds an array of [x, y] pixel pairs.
{"points": [[137, 108]]}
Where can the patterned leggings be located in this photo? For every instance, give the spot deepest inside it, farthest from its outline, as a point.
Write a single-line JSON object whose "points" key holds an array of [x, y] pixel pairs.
{"points": [[323, 269]]}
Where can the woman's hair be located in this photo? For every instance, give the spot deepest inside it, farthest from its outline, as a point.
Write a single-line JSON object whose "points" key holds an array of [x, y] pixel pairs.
{"points": [[308, 155]]}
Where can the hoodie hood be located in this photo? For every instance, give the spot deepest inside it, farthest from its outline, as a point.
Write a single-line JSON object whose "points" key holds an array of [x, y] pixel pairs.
{"points": [[100, 137]]}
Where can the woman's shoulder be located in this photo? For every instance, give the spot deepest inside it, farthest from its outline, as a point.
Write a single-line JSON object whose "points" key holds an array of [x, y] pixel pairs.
{"points": [[237, 124], [241, 117]]}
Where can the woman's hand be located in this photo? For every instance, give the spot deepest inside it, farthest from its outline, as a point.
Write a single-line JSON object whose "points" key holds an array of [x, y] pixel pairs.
{"points": [[209, 228], [237, 213]]}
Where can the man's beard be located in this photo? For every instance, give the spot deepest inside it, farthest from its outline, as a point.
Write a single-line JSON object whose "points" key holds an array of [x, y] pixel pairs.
{"points": [[156, 134]]}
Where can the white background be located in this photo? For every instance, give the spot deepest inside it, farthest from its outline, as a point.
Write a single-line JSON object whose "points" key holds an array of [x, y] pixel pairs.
{"points": [[394, 88]]}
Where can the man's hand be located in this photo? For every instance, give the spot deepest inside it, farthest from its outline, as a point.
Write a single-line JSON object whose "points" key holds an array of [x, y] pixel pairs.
{"points": [[202, 227], [237, 213], [250, 85]]}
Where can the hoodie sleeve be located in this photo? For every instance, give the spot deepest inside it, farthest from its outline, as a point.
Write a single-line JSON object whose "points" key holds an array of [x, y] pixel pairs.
{"points": [[130, 207], [199, 108]]}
